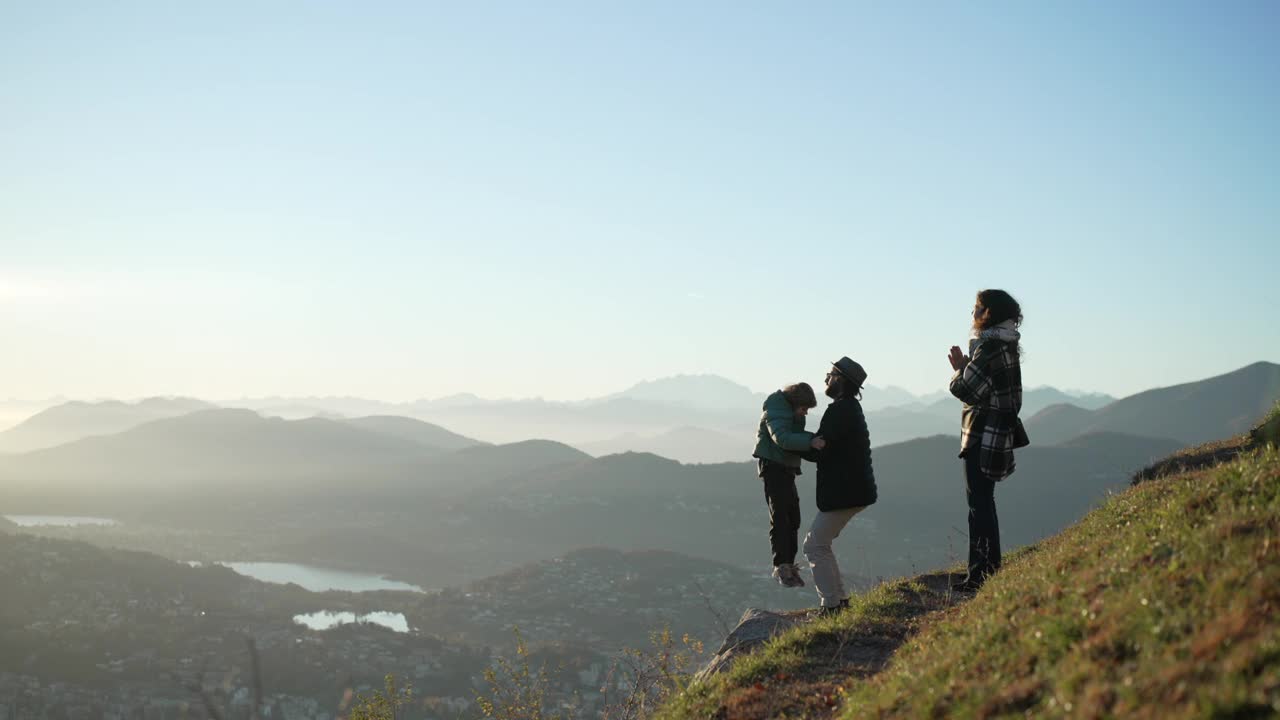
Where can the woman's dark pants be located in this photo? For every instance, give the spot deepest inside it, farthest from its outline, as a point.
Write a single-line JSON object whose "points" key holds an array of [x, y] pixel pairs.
{"points": [[784, 509], [984, 527]]}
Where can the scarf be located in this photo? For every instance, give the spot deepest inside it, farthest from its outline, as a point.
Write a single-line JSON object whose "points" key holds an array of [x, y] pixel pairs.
{"points": [[1004, 332]]}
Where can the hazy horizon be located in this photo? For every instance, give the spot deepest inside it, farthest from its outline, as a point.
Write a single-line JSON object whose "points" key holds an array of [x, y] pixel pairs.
{"points": [[58, 398]]}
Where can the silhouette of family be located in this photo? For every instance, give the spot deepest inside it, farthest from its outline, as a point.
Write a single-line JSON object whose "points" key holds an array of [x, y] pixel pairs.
{"points": [[987, 381]]}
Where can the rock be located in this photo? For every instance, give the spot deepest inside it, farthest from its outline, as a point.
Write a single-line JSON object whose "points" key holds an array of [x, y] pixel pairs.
{"points": [[753, 630]]}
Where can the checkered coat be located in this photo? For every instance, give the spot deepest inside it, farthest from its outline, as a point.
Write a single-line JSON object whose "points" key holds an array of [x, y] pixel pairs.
{"points": [[990, 387]]}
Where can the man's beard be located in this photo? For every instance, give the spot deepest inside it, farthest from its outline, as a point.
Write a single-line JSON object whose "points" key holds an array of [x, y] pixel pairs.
{"points": [[836, 389]]}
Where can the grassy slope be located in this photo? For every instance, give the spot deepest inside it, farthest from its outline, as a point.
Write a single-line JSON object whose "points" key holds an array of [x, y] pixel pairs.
{"points": [[1194, 458], [1163, 603], [801, 672]]}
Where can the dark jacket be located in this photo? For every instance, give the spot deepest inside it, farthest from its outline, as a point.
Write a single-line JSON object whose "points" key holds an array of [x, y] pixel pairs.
{"points": [[781, 437], [845, 479]]}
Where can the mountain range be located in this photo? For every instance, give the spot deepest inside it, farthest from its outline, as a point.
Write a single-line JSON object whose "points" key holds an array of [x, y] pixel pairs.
{"points": [[484, 509], [691, 418], [220, 484], [220, 448], [414, 498]]}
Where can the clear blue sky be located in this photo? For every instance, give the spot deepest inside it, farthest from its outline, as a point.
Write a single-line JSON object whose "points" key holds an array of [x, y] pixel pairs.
{"points": [[412, 199]]}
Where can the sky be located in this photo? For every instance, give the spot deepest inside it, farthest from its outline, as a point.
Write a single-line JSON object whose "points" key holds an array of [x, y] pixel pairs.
{"points": [[406, 199]]}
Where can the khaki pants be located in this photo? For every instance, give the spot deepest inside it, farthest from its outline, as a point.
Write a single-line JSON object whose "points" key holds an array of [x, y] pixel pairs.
{"points": [[817, 548]]}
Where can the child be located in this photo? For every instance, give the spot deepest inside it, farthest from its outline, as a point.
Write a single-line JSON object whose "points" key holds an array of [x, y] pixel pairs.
{"points": [[781, 441]]}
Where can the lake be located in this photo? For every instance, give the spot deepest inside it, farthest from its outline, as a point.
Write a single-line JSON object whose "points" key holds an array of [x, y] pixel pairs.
{"points": [[317, 579], [327, 620], [57, 520]]}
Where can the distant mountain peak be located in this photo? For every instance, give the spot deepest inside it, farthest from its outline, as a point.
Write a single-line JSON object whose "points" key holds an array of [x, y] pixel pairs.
{"points": [[462, 398], [225, 415], [543, 450], [419, 431], [692, 390], [631, 457]]}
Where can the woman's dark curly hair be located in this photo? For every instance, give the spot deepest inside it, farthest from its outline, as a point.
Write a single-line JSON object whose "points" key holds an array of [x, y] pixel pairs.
{"points": [[993, 307]]}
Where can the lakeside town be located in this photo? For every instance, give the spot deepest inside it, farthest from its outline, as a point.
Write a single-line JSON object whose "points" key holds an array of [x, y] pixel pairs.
{"points": [[92, 632]]}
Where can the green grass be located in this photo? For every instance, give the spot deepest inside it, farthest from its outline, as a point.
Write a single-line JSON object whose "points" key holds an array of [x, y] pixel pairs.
{"points": [[1163, 603], [1268, 431], [799, 672]]}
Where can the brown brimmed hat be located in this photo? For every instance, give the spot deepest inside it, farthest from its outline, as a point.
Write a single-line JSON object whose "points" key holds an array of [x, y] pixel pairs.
{"points": [[851, 371]]}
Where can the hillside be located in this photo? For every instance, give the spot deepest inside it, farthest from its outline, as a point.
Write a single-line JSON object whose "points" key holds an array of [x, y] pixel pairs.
{"points": [[1266, 432], [941, 416], [899, 424], [1160, 604], [75, 420], [223, 443], [241, 455], [599, 597], [1192, 413], [424, 433], [1034, 400], [1060, 422], [686, 444], [495, 507]]}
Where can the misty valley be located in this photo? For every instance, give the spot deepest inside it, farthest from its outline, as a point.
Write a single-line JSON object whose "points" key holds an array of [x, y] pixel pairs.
{"points": [[145, 566]]}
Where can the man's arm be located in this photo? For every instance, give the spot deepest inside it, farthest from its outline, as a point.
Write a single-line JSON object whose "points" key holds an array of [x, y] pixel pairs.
{"points": [[834, 430]]}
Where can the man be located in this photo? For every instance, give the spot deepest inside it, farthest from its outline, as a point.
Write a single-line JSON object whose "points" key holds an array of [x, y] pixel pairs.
{"points": [[846, 484]]}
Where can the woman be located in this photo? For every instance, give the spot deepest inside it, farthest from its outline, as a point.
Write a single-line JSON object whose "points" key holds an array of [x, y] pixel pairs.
{"points": [[989, 382], [781, 441]]}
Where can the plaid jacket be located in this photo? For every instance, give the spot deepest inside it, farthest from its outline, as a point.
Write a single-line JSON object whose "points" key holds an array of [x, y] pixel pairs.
{"points": [[990, 387]]}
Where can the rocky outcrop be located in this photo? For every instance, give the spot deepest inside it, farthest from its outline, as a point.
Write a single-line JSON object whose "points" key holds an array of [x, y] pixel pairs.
{"points": [[753, 630], [860, 651]]}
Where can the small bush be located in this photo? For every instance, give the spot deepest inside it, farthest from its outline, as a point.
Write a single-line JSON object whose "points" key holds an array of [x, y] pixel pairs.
{"points": [[649, 678], [382, 705], [516, 691]]}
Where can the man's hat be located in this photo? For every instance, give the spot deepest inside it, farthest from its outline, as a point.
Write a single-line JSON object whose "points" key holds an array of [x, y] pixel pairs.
{"points": [[851, 370]]}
